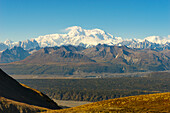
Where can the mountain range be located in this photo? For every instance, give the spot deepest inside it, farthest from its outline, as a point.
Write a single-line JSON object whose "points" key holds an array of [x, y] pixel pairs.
{"points": [[69, 60], [101, 53], [78, 36], [27, 44], [82, 50]]}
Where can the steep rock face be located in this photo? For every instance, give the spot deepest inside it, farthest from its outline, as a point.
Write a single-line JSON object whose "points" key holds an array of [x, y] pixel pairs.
{"points": [[11, 89], [14, 54]]}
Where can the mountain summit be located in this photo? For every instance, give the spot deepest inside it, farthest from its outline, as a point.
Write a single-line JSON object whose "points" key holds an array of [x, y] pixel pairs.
{"points": [[88, 38], [78, 36]]}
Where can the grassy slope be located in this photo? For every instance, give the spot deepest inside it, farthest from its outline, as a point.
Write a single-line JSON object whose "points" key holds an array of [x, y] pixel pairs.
{"points": [[143, 103], [10, 106]]}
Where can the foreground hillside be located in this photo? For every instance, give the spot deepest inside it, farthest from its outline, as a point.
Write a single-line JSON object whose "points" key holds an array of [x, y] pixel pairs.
{"points": [[144, 103], [12, 92], [10, 106]]}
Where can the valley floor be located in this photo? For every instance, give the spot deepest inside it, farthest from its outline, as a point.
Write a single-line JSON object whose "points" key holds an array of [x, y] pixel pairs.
{"points": [[84, 75], [69, 103]]}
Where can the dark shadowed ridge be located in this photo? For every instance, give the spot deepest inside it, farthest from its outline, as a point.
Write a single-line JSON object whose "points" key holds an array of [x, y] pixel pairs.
{"points": [[13, 90]]}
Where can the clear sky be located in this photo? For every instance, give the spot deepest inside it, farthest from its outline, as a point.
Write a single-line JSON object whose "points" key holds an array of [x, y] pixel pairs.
{"points": [[25, 19]]}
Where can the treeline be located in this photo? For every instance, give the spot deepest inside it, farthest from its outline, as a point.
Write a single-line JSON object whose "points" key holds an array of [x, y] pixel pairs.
{"points": [[98, 89]]}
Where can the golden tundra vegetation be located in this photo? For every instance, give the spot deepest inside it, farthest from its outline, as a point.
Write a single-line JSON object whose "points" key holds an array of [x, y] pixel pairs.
{"points": [[152, 103], [11, 106]]}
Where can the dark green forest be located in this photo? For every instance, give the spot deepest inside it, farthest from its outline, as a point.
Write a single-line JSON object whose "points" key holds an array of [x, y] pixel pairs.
{"points": [[99, 89]]}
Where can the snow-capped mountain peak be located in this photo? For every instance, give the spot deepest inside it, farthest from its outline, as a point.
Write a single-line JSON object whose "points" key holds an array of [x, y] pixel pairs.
{"points": [[75, 30], [77, 36], [8, 42], [27, 44]]}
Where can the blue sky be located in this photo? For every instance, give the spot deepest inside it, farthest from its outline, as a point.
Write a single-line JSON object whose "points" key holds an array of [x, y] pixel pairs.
{"points": [[25, 19]]}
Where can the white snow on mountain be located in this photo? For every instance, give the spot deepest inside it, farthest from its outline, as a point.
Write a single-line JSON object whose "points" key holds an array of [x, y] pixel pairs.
{"points": [[9, 43], [27, 44], [153, 42], [152, 39], [87, 38], [158, 39], [77, 36]]}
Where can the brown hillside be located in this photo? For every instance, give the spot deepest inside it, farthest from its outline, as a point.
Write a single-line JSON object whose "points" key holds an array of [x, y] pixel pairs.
{"points": [[125, 55], [11, 89], [106, 53], [67, 60], [57, 54], [145, 58], [152, 103]]}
